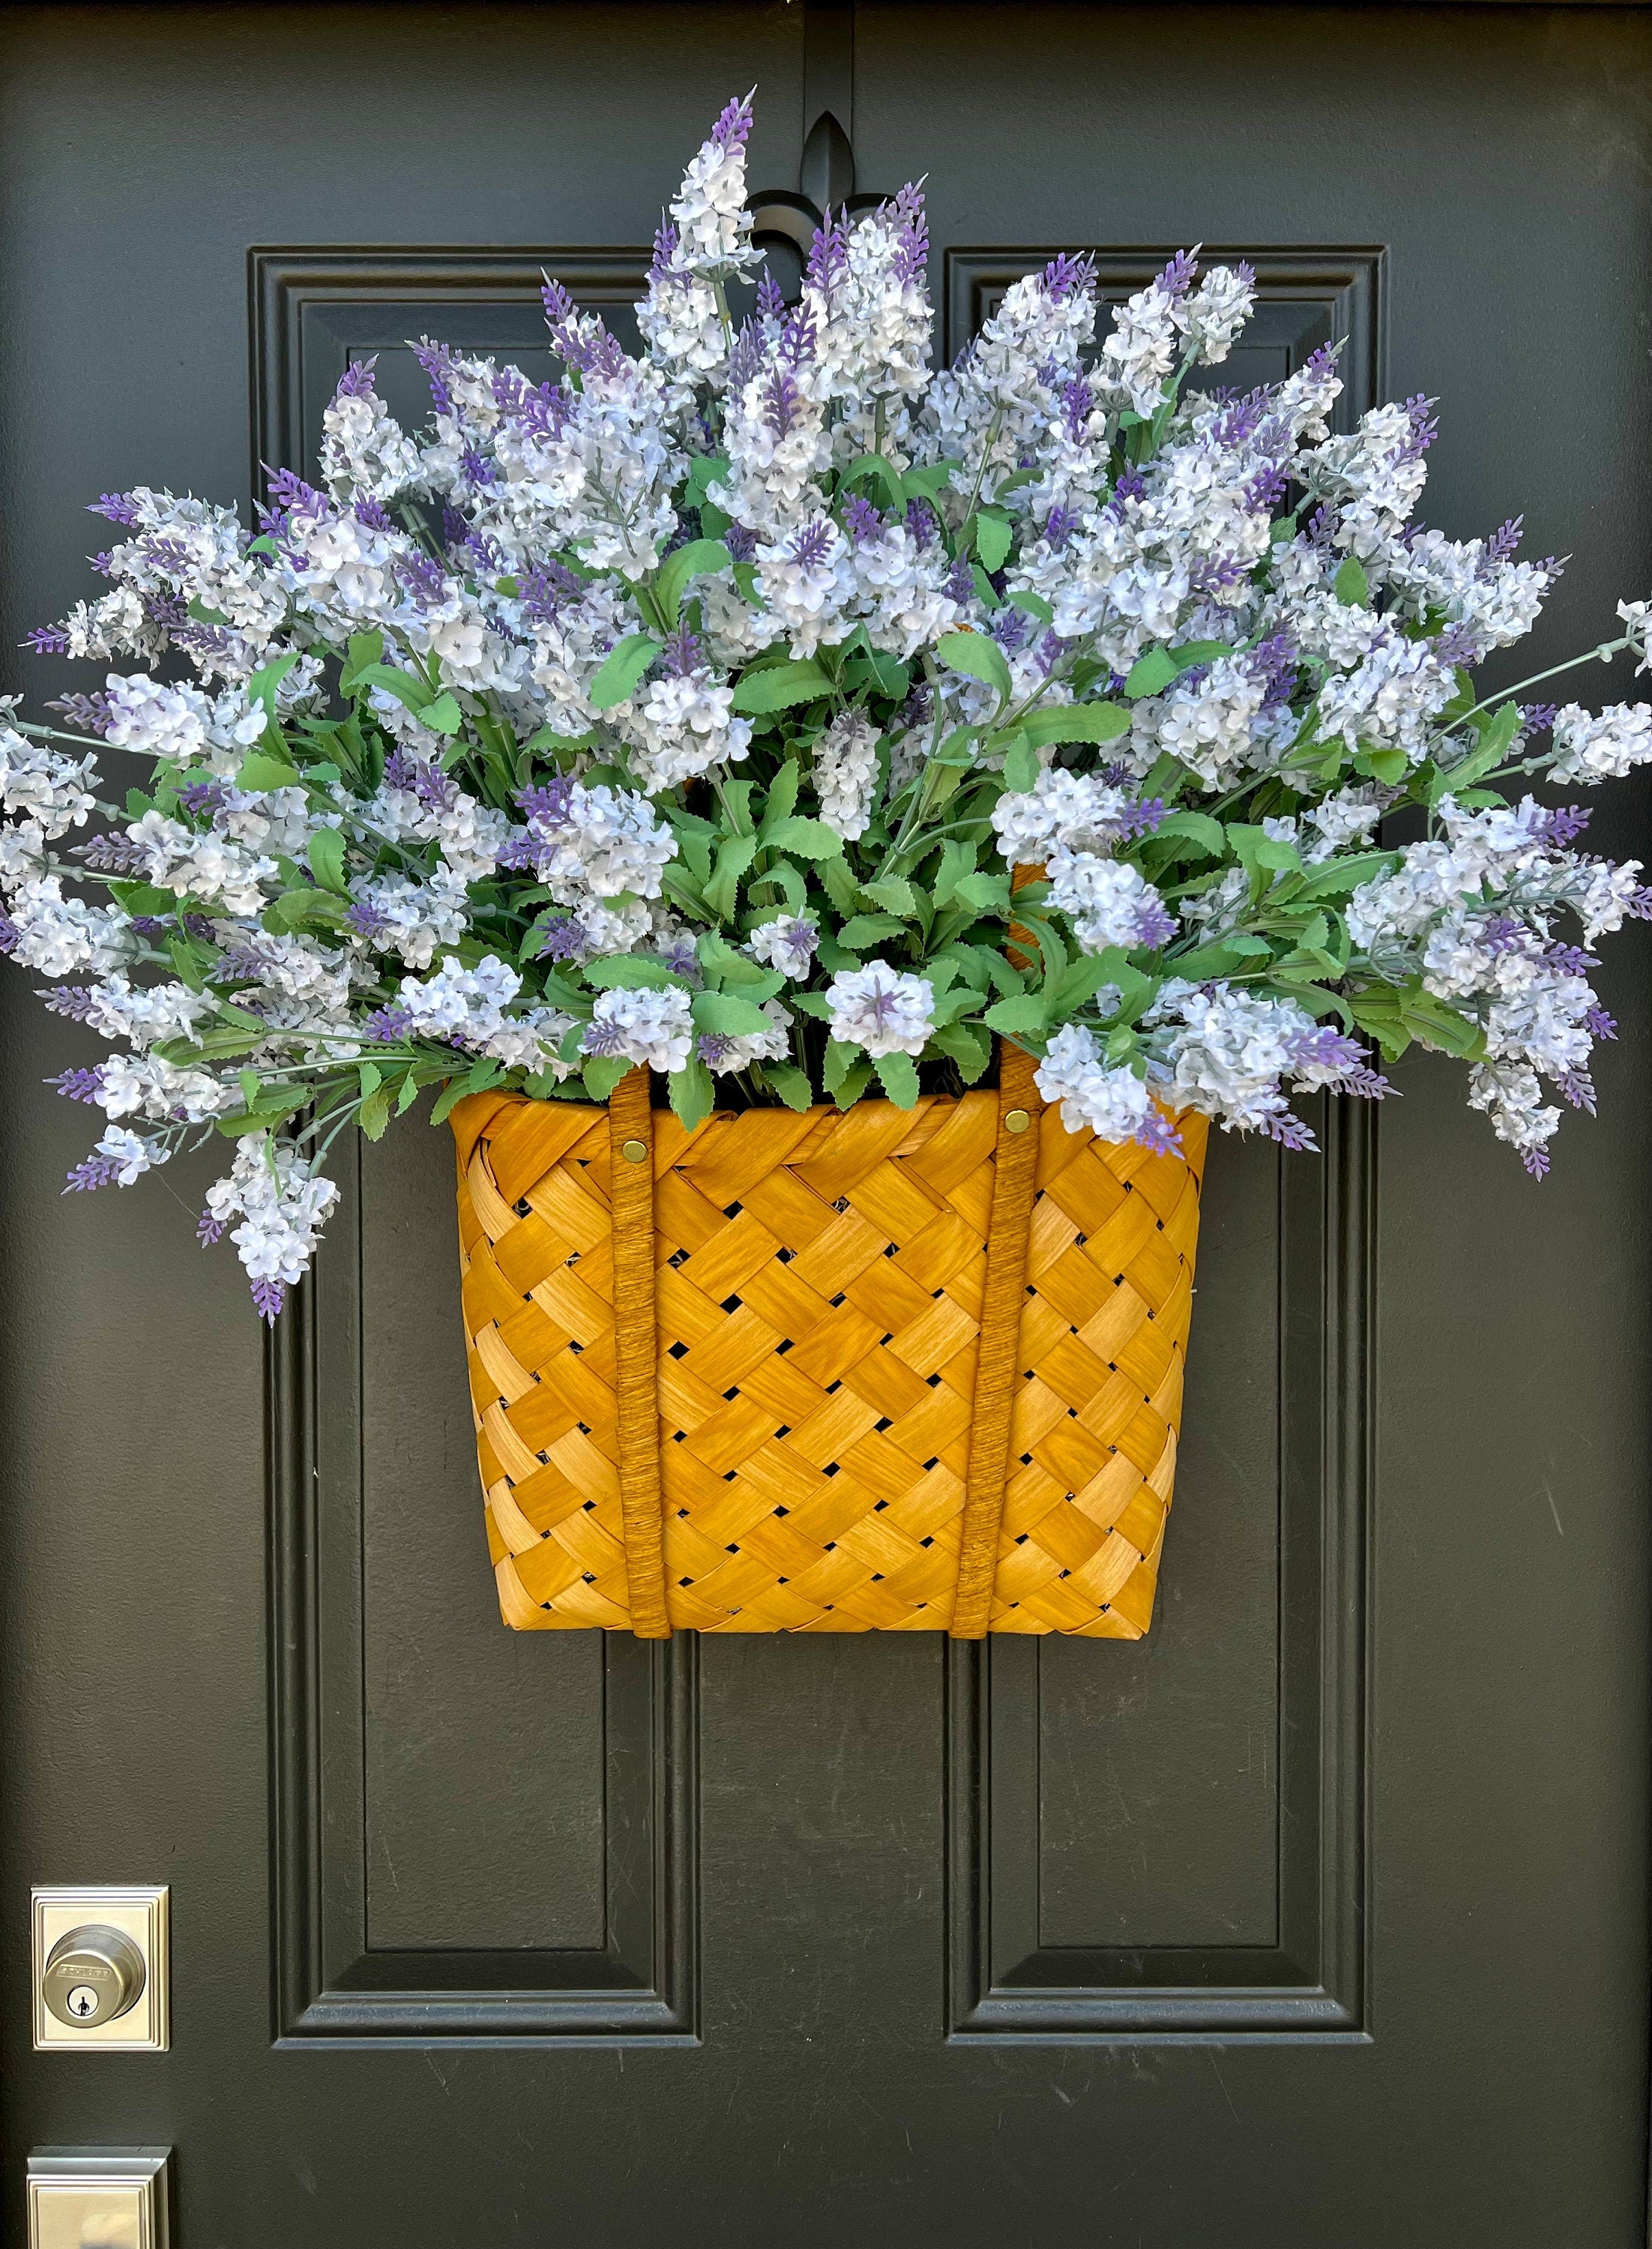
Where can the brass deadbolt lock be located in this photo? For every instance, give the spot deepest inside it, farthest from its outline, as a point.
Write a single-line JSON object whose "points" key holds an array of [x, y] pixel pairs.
{"points": [[94, 1975]]}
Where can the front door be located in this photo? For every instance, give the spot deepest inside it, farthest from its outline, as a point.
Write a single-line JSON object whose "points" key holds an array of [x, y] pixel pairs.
{"points": [[1316, 1920]]}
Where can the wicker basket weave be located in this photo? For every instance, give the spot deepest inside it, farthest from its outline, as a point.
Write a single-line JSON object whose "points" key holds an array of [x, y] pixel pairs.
{"points": [[897, 1371]]}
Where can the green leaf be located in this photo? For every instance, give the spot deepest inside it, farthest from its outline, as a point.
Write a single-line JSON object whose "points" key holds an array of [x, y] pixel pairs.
{"points": [[630, 972], [1025, 1013], [1077, 722], [985, 893], [1195, 828], [364, 652], [897, 895], [693, 1095], [261, 1120], [862, 930], [735, 855], [261, 688], [1190, 652], [443, 716], [1496, 736], [603, 1073], [1151, 674], [1021, 766], [1344, 875], [728, 1015], [701, 558], [1018, 597], [790, 1083], [188, 963], [326, 860], [874, 468], [412, 691], [779, 686], [408, 1094], [259, 772], [900, 1076], [1386, 765], [980, 658], [852, 1084], [957, 860], [1351, 586], [968, 1045], [994, 534], [783, 794], [293, 907], [813, 839], [450, 1095], [375, 1112], [622, 668]]}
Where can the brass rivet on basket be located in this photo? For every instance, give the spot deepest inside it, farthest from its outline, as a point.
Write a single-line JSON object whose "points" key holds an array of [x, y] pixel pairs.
{"points": [[633, 1151], [1016, 1120]]}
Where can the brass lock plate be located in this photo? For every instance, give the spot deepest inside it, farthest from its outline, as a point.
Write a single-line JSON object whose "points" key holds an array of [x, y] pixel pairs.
{"points": [[98, 2198], [100, 1968]]}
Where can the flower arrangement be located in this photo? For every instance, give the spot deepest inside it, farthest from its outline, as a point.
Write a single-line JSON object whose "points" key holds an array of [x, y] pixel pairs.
{"points": [[702, 709]]}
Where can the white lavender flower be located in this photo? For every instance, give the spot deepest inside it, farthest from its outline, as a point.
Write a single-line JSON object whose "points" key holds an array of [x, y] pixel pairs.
{"points": [[845, 771], [1606, 747], [1109, 1100], [882, 1009], [643, 1026]]}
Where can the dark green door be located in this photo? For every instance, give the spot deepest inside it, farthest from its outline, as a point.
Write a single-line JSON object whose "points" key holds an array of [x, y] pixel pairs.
{"points": [[1317, 1921]]}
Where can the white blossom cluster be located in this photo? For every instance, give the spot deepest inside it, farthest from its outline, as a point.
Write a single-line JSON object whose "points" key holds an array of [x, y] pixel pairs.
{"points": [[775, 713]]}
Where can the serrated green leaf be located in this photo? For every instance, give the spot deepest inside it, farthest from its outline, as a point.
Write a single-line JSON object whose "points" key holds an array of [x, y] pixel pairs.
{"points": [[1386, 765], [957, 860], [780, 685], [1351, 586], [701, 558], [443, 716], [365, 649], [602, 1073], [622, 667], [839, 1061], [1077, 722], [260, 1120], [862, 930], [1024, 1013], [293, 908], [408, 1094], [1151, 674], [1342, 874], [630, 972], [450, 1095], [693, 1095], [852, 1085], [967, 1044], [722, 891], [326, 860], [375, 1113], [896, 895], [790, 1083], [978, 658], [983, 893], [900, 1076], [259, 771], [783, 794], [1021, 766], [1195, 828], [812, 838], [994, 534], [729, 1015]]}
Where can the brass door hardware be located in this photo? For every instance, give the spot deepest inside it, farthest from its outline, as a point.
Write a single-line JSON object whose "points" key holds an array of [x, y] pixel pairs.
{"points": [[99, 2198], [100, 1968]]}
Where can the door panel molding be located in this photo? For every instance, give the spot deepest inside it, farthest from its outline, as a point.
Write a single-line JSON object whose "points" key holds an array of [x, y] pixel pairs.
{"points": [[1004, 1980], [310, 311]]}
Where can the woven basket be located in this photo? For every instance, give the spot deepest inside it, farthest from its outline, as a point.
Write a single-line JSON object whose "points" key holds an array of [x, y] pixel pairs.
{"points": [[887, 1370]]}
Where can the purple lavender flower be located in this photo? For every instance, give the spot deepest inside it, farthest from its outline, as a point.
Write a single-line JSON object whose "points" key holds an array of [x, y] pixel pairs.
{"points": [[289, 495], [97, 1170], [960, 586], [771, 304], [1569, 959], [601, 1038], [1179, 275], [1141, 819], [170, 555], [1010, 628], [713, 1048], [454, 528], [1459, 643], [1068, 276], [1367, 1083], [1537, 718], [1273, 663], [1503, 542], [1504, 934], [1060, 525], [91, 714], [741, 543], [80, 1084], [484, 555], [745, 358], [1536, 1161], [828, 253], [1640, 905], [1564, 825], [921, 526], [370, 513], [119, 507], [479, 468], [861, 520], [1049, 652], [1132, 484], [1213, 573], [368, 918], [912, 243], [435, 790], [667, 241], [1290, 1131], [562, 939], [209, 1229], [782, 400], [1077, 400], [678, 955], [1600, 1025], [1266, 488], [1156, 1133], [149, 925], [1424, 431], [437, 361], [734, 125], [401, 770], [47, 640], [201, 798], [103, 564], [797, 340], [356, 382], [810, 546], [546, 805], [268, 1297], [387, 1026], [1155, 925], [424, 579], [74, 1001], [112, 855], [684, 653], [543, 588], [1576, 1087]]}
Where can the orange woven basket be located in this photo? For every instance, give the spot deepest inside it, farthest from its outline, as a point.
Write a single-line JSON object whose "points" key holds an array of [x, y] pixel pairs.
{"points": [[883, 1370]]}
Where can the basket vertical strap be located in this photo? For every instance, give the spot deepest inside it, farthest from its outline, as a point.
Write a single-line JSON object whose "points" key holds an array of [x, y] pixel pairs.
{"points": [[1015, 1178], [631, 1198]]}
